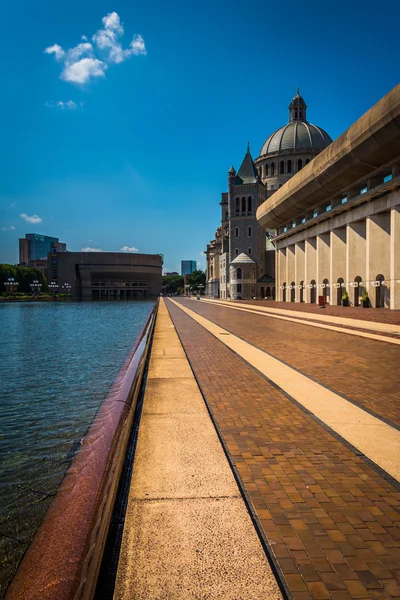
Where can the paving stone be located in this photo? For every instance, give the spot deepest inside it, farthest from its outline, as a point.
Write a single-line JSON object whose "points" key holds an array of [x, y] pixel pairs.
{"points": [[319, 354], [281, 453]]}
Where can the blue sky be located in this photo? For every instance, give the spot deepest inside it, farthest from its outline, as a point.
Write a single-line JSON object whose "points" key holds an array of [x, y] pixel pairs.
{"points": [[131, 147]]}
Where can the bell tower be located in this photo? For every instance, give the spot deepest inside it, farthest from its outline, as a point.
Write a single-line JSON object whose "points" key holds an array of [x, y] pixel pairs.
{"points": [[297, 108]]}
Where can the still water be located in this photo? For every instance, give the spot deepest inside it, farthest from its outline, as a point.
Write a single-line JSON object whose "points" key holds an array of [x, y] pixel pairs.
{"points": [[57, 363]]}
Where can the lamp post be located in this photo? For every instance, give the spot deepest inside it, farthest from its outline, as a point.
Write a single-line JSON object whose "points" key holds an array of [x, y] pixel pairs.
{"points": [[53, 287], [11, 285], [66, 287], [35, 287]]}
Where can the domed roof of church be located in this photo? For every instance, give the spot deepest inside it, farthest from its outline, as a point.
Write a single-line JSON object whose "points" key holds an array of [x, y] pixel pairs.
{"points": [[298, 133]]}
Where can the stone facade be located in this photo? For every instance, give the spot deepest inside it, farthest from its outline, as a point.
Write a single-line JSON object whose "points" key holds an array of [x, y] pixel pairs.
{"points": [[337, 223], [285, 152]]}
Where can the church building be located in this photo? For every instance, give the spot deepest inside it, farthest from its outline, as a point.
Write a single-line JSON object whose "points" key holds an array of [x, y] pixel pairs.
{"points": [[241, 257]]}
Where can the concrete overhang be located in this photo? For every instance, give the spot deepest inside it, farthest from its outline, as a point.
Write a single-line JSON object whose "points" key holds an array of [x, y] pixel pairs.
{"points": [[370, 143]]}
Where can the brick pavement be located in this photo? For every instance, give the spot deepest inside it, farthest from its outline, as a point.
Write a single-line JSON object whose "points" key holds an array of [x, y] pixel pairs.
{"points": [[331, 519], [362, 370], [349, 312]]}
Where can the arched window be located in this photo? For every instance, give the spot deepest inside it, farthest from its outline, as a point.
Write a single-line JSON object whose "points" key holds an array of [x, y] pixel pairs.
{"points": [[301, 291], [249, 231], [295, 114], [243, 206], [299, 164], [293, 292], [236, 231], [260, 170], [340, 291], [236, 251], [326, 290], [272, 169], [237, 206], [380, 292], [239, 273], [281, 167], [307, 161], [266, 170], [357, 291], [249, 204], [313, 292], [289, 166], [284, 292], [249, 251]]}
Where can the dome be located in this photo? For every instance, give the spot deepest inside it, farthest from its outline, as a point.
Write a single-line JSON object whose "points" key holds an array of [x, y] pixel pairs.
{"points": [[295, 136], [298, 134]]}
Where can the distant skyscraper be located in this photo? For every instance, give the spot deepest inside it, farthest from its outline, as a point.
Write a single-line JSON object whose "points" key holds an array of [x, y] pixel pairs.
{"points": [[188, 266], [34, 248]]}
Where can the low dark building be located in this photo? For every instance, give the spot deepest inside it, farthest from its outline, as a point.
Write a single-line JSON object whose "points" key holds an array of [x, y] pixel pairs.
{"points": [[106, 275]]}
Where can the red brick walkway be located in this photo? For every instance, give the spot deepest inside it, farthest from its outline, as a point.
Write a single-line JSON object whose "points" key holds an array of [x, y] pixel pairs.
{"points": [[330, 518], [381, 315], [364, 371]]}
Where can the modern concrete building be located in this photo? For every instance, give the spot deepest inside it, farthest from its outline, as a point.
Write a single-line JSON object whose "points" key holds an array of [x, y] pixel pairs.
{"points": [[107, 275], [188, 266], [240, 259], [337, 222]]}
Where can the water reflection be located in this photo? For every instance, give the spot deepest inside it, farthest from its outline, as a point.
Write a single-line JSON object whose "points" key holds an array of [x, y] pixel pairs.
{"points": [[57, 362]]}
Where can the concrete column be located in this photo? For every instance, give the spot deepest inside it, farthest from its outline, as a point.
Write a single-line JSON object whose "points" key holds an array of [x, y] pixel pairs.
{"points": [[291, 269], [355, 255], [337, 260], [277, 272], [310, 265], [282, 270], [395, 258], [300, 265], [378, 255], [323, 262]]}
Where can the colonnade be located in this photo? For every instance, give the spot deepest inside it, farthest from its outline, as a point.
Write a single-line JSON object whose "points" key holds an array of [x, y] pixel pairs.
{"points": [[359, 261]]}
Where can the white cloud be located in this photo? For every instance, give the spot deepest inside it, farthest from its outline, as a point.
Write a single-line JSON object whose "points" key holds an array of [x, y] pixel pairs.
{"points": [[12, 228], [83, 70], [81, 63], [69, 104], [112, 21], [83, 49], [13, 204], [56, 50], [88, 249], [32, 219], [128, 249], [8, 228], [137, 45]]}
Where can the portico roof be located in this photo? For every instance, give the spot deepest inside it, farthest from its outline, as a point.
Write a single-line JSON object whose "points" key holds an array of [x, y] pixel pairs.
{"points": [[243, 259]]}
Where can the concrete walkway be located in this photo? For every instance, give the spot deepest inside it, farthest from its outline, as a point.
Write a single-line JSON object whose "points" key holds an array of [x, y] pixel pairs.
{"points": [[312, 318], [187, 533]]}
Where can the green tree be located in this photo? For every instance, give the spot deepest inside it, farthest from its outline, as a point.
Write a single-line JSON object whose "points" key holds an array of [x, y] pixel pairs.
{"points": [[172, 284], [23, 275], [196, 279]]}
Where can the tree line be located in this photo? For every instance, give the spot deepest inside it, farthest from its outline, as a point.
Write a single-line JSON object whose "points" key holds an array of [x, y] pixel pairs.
{"points": [[173, 284], [23, 275]]}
